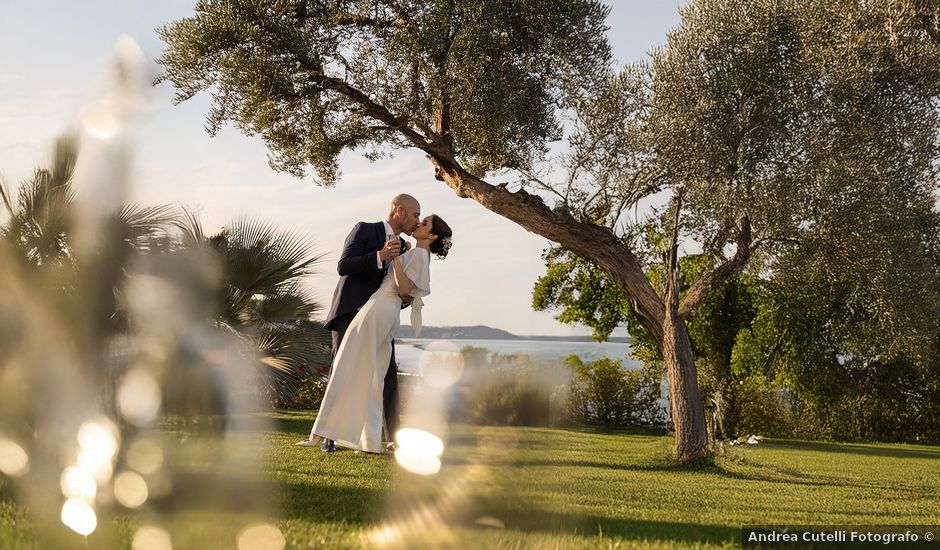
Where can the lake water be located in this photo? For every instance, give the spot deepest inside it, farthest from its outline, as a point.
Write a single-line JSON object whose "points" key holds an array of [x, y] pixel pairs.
{"points": [[408, 350]]}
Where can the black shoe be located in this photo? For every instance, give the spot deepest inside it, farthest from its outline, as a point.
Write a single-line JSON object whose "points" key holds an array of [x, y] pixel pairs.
{"points": [[327, 446]]}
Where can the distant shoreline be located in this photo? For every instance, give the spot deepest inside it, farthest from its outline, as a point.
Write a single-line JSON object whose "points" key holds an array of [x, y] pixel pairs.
{"points": [[481, 332]]}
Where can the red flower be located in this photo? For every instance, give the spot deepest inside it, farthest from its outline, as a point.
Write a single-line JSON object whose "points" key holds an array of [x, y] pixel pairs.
{"points": [[320, 370], [302, 368]]}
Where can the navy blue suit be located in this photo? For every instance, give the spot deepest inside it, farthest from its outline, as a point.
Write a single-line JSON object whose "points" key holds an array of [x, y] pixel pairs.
{"points": [[359, 278]]}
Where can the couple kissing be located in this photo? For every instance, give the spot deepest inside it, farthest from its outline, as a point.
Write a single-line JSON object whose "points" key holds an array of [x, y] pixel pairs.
{"points": [[379, 276]]}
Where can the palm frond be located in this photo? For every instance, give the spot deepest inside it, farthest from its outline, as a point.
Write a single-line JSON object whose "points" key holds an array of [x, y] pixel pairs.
{"points": [[285, 348], [282, 307], [147, 228], [261, 263], [64, 158], [5, 195], [190, 228], [41, 218]]}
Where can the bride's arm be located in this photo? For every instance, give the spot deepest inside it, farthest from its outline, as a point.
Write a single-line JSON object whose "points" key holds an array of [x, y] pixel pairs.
{"points": [[404, 283]]}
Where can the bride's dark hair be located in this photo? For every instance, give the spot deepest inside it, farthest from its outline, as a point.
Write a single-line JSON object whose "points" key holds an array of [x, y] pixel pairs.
{"points": [[440, 245]]}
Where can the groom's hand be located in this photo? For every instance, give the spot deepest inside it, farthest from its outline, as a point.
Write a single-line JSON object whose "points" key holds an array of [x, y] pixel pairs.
{"points": [[406, 301], [391, 250]]}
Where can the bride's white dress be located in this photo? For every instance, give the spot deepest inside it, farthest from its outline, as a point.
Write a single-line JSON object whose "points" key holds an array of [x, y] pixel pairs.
{"points": [[351, 411]]}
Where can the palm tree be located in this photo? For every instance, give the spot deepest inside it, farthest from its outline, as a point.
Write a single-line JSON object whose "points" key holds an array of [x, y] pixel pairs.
{"points": [[262, 300], [79, 291], [42, 214]]}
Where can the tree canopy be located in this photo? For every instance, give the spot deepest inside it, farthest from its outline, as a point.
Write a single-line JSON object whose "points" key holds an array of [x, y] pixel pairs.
{"points": [[484, 79]]}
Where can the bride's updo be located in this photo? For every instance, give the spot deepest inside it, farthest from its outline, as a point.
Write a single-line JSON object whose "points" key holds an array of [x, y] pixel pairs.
{"points": [[440, 245]]}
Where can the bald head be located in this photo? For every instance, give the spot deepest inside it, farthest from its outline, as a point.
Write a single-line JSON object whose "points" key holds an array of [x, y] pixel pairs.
{"points": [[404, 214]]}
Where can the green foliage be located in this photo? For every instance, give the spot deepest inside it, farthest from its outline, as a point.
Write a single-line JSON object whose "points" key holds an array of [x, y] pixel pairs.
{"points": [[843, 380], [603, 392], [584, 294], [763, 407], [587, 296], [511, 397], [262, 272], [815, 123], [262, 300], [314, 80], [41, 213], [309, 392]]}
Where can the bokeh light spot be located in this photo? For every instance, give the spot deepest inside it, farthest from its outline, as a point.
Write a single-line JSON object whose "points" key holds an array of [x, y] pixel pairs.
{"points": [[99, 442], [139, 397], [78, 516], [78, 483], [145, 456], [96, 464], [419, 451], [149, 537], [102, 120], [130, 489], [99, 436], [14, 461], [261, 536]]}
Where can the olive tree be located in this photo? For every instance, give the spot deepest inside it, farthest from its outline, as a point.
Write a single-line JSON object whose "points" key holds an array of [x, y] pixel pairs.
{"points": [[735, 119]]}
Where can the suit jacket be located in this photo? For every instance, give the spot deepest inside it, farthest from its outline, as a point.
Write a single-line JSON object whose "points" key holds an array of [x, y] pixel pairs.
{"points": [[359, 275]]}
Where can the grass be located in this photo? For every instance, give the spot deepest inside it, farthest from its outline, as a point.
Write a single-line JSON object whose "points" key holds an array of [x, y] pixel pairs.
{"points": [[504, 487]]}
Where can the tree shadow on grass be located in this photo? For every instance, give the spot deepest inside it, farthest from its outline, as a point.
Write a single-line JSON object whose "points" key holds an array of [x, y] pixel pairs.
{"points": [[298, 422], [850, 448], [551, 522], [331, 503], [362, 507], [566, 463], [767, 473]]}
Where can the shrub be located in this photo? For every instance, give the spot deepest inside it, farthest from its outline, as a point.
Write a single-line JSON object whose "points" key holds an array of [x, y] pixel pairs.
{"points": [[510, 397], [603, 392], [309, 392], [766, 409], [506, 389]]}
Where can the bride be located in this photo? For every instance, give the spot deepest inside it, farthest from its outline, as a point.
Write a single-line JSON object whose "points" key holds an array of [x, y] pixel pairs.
{"points": [[351, 411]]}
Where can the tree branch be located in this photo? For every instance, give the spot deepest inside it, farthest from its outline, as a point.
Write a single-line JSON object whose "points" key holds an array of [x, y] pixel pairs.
{"points": [[584, 239], [528, 174], [353, 20], [720, 274], [672, 261]]}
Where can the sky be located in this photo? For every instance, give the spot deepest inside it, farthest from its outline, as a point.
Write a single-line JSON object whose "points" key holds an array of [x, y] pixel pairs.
{"points": [[55, 57]]}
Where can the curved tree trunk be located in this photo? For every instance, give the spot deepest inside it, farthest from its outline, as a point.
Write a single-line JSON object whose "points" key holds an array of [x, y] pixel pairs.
{"points": [[663, 321]]}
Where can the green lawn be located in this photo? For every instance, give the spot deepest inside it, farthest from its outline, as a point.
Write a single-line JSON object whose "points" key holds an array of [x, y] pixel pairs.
{"points": [[551, 488]]}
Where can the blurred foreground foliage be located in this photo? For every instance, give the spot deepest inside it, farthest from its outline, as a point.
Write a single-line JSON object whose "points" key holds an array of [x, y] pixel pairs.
{"points": [[255, 280]]}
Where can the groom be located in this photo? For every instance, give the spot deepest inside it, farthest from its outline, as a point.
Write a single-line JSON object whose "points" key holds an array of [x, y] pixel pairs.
{"points": [[366, 259]]}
